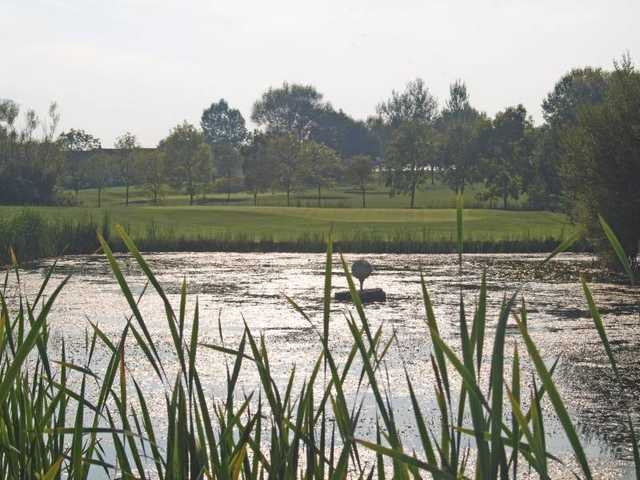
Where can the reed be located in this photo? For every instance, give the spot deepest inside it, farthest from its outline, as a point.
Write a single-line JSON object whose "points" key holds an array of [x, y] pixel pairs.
{"points": [[64, 419]]}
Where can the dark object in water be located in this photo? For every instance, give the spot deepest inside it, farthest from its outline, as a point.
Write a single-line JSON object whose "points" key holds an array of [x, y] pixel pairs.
{"points": [[368, 295], [361, 269]]}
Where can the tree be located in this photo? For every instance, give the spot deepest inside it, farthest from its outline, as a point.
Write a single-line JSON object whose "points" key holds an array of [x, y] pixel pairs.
{"points": [[188, 159], [409, 155], [320, 166], [359, 172], [602, 164], [578, 89], [152, 169], [291, 108], [29, 164], [339, 131], [221, 124], [414, 104], [257, 165], [72, 143], [98, 172], [506, 167], [463, 133], [284, 153], [227, 163], [128, 147]]}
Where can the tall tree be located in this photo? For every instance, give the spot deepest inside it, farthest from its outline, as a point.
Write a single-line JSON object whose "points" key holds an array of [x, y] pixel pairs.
{"points": [[128, 147], [291, 108], [410, 153], [258, 165], [223, 125], [337, 130], [359, 171], [507, 165], [152, 171], [98, 168], [414, 104], [320, 166], [463, 135], [30, 165], [73, 143], [188, 157], [228, 163], [602, 163], [284, 151], [578, 89]]}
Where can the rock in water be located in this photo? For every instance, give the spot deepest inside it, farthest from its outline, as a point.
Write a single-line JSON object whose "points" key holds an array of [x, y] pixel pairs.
{"points": [[369, 295]]}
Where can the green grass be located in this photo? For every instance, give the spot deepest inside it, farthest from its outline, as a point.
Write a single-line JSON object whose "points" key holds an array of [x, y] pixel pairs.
{"points": [[430, 196], [383, 227], [285, 224]]}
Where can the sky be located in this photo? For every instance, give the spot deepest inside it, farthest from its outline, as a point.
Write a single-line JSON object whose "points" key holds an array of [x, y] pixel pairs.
{"points": [[146, 65]]}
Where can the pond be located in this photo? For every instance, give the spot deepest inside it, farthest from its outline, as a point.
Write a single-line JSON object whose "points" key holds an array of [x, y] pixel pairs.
{"points": [[234, 288]]}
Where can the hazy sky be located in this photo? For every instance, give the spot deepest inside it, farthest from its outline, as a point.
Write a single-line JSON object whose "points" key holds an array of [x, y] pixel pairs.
{"points": [[145, 65]]}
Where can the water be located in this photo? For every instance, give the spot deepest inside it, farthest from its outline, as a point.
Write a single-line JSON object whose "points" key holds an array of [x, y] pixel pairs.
{"points": [[232, 287]]}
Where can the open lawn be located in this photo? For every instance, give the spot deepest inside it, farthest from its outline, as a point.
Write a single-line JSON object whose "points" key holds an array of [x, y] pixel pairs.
{"points": [[428, 196], [284, 224], [237, 225]]}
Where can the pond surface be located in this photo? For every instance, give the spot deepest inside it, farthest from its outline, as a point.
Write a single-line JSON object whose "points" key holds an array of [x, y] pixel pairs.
{"points": [[251, 286]]}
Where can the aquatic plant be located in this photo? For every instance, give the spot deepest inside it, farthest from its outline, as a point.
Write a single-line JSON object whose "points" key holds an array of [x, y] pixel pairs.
{"points": [[60, 419]]}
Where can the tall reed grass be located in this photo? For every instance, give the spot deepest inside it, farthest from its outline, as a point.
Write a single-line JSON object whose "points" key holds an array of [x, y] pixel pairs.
{"points": [[51, 427]]}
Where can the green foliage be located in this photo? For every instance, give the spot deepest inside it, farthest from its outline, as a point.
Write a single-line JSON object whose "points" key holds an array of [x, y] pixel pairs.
{"points": [[321, 166], [221, 124], [127, 145], [602, 163], [409, 156], [359, 171], [289, 109], [463, 139], [505, 168], [29, 166], [189, 159]]}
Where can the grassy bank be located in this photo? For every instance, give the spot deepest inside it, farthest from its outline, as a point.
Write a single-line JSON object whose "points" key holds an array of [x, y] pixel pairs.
{"points": [[55, 427], [278, 229], [438, 195]]}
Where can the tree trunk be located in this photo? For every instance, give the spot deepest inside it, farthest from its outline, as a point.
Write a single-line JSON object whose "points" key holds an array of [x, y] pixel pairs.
{"points": [[413, 194], [255, 199], [190, 197], [99, 197], [504, 200], [319, 196], [433, 176], [288, 192], [364, 192], [126, 199]]}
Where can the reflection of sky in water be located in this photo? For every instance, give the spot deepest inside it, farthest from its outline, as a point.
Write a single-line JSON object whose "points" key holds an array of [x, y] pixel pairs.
{"points": [[232, 287]]}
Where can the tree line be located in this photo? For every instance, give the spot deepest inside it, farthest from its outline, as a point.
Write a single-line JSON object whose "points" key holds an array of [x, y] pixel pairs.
{"points": [[583, 158]]}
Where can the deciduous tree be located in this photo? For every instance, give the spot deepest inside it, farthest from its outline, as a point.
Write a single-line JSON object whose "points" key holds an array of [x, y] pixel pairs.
{"points": [[188, 157], [128, 147], [359, 171]]}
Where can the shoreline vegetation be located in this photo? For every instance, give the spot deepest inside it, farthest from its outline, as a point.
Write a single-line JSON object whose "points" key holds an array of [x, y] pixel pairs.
{"points": [[86, 418], [40, 232]]}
